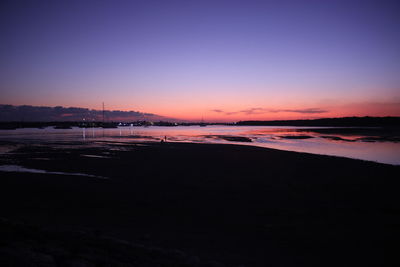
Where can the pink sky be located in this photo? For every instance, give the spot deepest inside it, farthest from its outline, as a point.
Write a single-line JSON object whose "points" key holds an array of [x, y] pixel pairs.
{"points": [[225, 61]]}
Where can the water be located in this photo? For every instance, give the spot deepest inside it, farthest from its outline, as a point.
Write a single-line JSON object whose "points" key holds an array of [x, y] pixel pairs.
{"points": [[263, 136]]}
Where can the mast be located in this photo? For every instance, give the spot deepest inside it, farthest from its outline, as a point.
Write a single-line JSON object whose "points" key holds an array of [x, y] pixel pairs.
{"points": [[103, 112]]}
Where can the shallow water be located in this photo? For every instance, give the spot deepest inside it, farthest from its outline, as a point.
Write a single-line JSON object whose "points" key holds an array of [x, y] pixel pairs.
{"points": [[285, 138]]}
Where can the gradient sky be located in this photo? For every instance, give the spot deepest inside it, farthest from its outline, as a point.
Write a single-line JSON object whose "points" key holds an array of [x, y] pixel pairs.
{"points": [[221, 60]]}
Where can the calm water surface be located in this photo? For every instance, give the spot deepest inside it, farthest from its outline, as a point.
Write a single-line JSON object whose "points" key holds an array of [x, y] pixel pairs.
{"points": [[263, 136]]}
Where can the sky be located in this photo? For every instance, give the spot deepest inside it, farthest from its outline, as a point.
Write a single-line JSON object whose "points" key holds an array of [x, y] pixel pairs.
{"points": [[217, 60]]}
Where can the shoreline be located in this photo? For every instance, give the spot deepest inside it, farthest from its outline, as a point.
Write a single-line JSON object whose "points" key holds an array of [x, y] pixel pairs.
{"points": [[230, 204], [233, 140], [373, 145]]}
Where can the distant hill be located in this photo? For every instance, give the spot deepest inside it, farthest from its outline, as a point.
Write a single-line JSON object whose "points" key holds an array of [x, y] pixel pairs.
{"points": [[26, 113], [334, 122]]}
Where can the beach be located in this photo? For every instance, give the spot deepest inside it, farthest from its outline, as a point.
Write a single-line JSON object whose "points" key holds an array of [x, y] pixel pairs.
{"points": [[195, 205]]}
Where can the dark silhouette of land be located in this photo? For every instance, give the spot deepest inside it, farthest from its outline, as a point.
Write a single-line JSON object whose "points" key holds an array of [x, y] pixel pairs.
{"points": [[69, 124], [332, 122], [181, 204], [387, 123]]}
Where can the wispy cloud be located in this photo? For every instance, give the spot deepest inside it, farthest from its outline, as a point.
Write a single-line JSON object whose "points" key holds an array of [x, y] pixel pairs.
{"points": [[304, 111], [232, 113], [252, 111], [217, 110], [225, 112], [258, 110]]}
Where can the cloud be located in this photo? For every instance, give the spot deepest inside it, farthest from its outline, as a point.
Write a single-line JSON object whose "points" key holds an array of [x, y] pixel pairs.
{"points": [[252, 111], [225, 112], [303, 111], [258, 110], [34, 113], [249, 111], [232, 113]]}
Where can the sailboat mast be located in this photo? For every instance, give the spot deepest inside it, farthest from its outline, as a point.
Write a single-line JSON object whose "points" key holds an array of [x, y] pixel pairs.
{"points": [[103, 112]]}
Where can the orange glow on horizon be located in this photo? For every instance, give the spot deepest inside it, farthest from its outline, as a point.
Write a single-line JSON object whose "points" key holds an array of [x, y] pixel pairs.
{"points": [[228, 110], [284, 113]]}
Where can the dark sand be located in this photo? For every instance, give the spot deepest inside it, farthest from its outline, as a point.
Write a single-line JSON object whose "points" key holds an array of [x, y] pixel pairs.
{"points": [[179, 204]]}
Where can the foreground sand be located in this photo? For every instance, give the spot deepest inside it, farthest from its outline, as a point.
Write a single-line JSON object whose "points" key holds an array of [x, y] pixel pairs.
{"points": [[196, 205]]}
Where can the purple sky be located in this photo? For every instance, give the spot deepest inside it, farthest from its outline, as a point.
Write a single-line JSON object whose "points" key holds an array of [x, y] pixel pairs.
{"points": [[189, 58]]}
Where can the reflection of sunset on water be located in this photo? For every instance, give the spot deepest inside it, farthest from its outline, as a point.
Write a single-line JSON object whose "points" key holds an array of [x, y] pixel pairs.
{"points": [[301, 139]]}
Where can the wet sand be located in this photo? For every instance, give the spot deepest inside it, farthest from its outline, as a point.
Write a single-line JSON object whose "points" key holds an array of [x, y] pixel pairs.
{"points": [[196, 205]]}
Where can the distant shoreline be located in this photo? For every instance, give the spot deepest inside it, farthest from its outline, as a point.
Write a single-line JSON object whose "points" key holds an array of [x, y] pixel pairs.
{"points": [[333, 122], [387, 122]]}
